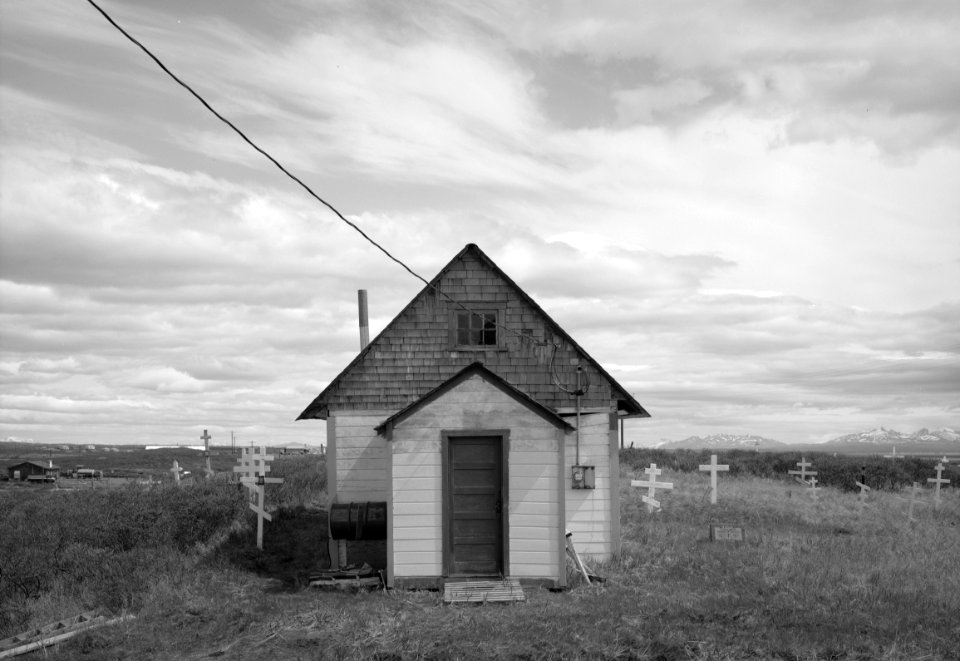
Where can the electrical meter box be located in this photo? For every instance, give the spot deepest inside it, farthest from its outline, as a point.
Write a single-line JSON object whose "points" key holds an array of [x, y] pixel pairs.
{"points": [[584, 477]]}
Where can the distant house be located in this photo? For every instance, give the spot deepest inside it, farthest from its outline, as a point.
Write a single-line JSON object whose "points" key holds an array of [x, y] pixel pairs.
{"points": [[33, 471], [463, 418]]}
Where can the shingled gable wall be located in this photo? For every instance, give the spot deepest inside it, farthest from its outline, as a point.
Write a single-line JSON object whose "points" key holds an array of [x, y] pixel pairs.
{"points": [[413, 354]]}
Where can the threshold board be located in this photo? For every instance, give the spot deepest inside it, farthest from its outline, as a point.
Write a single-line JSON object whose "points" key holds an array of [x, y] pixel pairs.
{"points": [[483, 591]]}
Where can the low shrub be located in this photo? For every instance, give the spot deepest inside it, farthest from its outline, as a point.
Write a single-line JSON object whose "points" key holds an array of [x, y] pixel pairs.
{"points": [[105, 545]]}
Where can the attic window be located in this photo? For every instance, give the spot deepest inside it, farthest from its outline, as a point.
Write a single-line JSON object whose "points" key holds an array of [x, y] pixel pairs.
{"points": [[476, 329]]}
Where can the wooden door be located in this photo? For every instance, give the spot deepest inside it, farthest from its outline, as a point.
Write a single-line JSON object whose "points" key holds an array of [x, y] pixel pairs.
{"points": [[475, 501]]}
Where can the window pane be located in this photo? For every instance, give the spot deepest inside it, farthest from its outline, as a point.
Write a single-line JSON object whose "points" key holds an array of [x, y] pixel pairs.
{"points": [[476, 329]]}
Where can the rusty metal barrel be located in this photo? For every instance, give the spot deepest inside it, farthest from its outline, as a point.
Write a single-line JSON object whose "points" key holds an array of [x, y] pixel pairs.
{"points": [[358, 521]]}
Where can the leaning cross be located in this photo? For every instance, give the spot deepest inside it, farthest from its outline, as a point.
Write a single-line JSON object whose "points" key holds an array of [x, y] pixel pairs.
{"points": [[713, 467], [938, 480], [652, 485], [803, 473], [863, 490], [253, 469]]}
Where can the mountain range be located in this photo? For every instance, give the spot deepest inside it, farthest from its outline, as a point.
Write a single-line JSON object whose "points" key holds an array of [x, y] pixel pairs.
{"points": [[875, 441]]}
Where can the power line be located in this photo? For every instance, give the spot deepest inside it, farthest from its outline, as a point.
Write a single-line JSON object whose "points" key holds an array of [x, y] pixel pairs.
{"points": [[252, 143], [293, 177]]}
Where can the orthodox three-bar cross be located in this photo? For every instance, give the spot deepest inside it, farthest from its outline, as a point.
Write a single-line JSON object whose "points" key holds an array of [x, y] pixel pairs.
{"points": [[713, 467], [253, 471], [938, 480], [803, 473], [206, 453], [652, 485]]}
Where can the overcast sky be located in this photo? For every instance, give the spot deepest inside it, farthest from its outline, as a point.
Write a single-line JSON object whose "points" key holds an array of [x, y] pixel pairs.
{"points": [[747, 212]]}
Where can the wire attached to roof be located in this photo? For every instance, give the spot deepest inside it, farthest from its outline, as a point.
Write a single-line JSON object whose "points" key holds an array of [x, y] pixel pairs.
{"points": [[555, 346]]}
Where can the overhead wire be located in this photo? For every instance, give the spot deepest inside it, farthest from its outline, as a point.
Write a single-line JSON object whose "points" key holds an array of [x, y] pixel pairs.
{"points": [[306, 187]]}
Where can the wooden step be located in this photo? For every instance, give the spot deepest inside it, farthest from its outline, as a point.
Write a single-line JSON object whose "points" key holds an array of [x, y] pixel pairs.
{"points": [[482, 591]]}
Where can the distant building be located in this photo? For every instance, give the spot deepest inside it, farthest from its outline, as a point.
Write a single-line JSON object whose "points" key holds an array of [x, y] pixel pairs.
{"points": [[33, 471]]}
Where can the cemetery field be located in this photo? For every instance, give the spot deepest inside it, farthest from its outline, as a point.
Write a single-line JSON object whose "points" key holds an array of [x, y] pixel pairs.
{"points": [[814, 578]]}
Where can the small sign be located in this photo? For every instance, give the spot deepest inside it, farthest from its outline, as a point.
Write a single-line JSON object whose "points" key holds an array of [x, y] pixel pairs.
{"points": [[725, 533]]}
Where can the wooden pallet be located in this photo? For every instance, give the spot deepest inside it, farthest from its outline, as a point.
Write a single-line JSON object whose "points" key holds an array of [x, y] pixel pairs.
{"points": [[493, 590]]}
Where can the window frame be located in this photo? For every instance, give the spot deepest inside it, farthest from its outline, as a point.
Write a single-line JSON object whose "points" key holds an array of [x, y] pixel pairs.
{"points": [[480, 307]]}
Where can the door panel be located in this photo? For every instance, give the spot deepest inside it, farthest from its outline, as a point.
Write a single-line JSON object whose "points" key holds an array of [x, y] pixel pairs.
{"points": [[475, 492]]}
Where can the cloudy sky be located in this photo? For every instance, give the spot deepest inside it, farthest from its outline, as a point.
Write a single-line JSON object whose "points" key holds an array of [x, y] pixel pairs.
{"points": [[748, 212]]}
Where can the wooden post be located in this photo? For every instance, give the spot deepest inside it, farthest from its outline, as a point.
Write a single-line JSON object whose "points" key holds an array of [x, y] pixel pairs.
{"points": [[207, 470], [651, 485], [364, 321], [578, 563], [913, 499], [938, 480], [713, 467]]}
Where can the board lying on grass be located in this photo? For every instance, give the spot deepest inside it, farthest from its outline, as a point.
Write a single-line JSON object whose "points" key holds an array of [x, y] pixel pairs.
{"points": [[507, 589], [54, 633]]}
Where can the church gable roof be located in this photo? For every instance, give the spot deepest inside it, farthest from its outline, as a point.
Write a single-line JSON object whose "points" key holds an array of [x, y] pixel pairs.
{"points": [[418, 350]]}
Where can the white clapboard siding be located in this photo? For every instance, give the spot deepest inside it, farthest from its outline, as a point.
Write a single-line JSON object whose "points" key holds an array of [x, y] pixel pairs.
{"points": [[533, 487], [588, 511], [361, 457]]}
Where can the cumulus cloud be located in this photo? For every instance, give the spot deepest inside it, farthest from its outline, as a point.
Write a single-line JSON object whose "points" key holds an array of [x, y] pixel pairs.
{"points": [[753, 227]]}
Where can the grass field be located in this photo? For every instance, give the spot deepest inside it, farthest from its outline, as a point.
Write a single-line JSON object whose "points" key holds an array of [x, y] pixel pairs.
{"points": [[824, 579]]}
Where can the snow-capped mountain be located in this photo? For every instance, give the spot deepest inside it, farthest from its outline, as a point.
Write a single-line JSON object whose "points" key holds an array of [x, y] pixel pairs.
{"points": [[887, 437], [723, 442]]}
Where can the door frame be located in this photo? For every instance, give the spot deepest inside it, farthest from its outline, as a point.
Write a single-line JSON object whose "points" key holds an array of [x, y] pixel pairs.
{"points": [[447, 516]]}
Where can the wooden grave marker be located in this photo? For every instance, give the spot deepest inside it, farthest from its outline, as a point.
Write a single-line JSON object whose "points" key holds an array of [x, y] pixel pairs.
{"points": [[862, 484], [207, 470], [714, 468], [803, 473], [253, 469], [938, 480], [914, 491], [652, 485], [721, 532], [175, 469]]}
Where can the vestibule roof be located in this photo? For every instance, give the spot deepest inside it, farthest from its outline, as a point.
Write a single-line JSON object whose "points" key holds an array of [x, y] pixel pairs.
{"points": [[476, 369]]}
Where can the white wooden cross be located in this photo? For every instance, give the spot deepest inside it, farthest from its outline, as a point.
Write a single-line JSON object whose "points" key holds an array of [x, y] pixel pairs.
{"points": [[175, 469], [713, 467], [938, 480], [863, 490], [803, 473], [813, 487], [253, 469], [652, 485]]}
